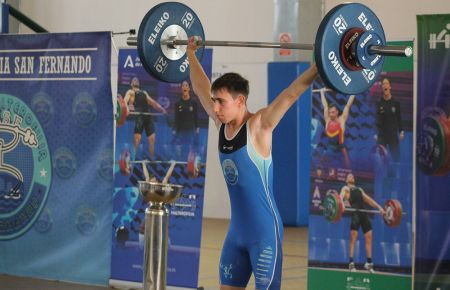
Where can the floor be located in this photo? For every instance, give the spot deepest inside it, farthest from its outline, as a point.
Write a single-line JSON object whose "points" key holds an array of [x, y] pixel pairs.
{"points": [[295, 261]]}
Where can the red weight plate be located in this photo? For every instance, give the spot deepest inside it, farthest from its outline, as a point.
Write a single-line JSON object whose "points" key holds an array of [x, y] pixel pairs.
{"points": [[125, 166]]}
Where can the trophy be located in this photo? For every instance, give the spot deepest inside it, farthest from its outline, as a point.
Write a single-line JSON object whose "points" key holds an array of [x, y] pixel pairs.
{"points": [[158, 195]]}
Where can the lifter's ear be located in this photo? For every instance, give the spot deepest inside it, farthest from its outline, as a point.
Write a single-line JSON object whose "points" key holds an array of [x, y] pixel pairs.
{"points": [[241, 100]]}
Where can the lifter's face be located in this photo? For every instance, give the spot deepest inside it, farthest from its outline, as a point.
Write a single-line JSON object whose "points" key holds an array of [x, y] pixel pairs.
{"points": [[333, 113], [135, 83], [386, 85], [226, 107], [185, 89], [350, 179]]}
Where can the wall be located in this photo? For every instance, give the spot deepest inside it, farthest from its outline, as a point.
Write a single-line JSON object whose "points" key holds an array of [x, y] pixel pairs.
{"points": [[238, 17], [399, 17]]}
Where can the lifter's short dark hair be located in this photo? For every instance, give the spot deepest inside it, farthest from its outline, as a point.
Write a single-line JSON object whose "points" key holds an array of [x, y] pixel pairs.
{"points": [[234, 83], [334, 106]]}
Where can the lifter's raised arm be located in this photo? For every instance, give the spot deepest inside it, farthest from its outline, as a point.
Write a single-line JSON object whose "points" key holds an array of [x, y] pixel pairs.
{"points": [[324, 101], [272, 115], [347, 107], [200, 81]]}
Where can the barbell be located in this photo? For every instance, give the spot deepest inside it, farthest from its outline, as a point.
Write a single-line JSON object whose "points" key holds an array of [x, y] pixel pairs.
{"points": [[349, 48], [122, 111], [333, 209], [193, 163]]}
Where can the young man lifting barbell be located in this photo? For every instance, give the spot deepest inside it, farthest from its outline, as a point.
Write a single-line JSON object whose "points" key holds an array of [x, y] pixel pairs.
{"points": [[253, 242]]}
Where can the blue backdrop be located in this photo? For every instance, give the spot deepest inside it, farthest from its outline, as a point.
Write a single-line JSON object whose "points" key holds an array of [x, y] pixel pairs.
{"points": [[432, 259], [375, 171], [185, 221], [56, 156]]}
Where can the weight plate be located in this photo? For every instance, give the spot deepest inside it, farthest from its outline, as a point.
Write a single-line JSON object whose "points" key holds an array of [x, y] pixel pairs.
{"points": [[327, 46], [125, 165], [431, 150], [365, 58], [124, 110], [160, 22], [118, 110], [332, 206]]}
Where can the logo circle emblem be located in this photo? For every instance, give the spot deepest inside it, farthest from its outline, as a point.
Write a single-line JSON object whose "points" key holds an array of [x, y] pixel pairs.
{"points": [[84, 109], [25, 168], [230, 171]]}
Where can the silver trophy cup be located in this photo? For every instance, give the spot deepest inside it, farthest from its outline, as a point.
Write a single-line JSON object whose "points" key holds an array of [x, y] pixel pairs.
{"points": [[158, 196]]}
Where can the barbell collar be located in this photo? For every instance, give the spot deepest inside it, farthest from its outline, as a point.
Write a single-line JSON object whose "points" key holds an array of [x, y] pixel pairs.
{"points": [[391, 50]]}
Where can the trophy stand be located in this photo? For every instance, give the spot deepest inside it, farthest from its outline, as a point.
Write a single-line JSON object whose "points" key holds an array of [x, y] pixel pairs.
{"points": [[158, 195]]}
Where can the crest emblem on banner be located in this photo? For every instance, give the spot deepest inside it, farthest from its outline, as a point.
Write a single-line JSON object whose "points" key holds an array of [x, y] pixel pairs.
{"points": [[25, 167]]}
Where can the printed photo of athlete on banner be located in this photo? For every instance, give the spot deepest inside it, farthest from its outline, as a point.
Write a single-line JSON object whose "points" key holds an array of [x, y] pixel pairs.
{"points": [[432, 254], [161, 137], [360, 225]]}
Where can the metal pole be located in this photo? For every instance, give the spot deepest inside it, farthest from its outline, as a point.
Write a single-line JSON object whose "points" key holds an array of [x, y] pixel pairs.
{"points": [[172, 43], [155, 246], [388, 50], [4, 17], [26, 20]]}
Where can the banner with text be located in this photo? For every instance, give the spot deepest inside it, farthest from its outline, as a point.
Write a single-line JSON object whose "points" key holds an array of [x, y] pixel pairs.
{"points": [[56, 156], [360, 223], [164, 122], [432, 258]]}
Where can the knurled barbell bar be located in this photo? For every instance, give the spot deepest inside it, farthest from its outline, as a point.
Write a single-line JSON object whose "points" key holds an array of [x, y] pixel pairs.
{"points": [[333, 209], [349, 48]]}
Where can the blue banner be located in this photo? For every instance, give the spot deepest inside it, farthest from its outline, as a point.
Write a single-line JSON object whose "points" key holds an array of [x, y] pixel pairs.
{"points": [[56, 156], [432, 257], [362, 160], [168, 125]]}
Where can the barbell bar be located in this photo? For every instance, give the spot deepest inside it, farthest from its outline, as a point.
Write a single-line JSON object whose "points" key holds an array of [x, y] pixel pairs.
{"points": [[349, 48], [132, 113], [193, 163], [323, 89], [156, 162], [385, 50], [363, 210], [122, 112], [333, 209]]}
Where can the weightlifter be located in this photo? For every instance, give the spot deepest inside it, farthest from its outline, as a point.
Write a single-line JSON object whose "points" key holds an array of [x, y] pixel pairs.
{"points": [[335, 126], [356, 198], [253, 242], [141, 100]]}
